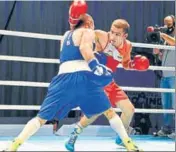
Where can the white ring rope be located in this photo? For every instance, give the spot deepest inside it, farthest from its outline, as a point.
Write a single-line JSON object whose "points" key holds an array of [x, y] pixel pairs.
{"points": [[28, 59], [57, 61], [31, 35], [58, 37], [44, 84], [35, 107]]}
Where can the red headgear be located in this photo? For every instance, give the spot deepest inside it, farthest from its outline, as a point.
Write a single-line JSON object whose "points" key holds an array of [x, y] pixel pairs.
{"points": [[77, 8]]}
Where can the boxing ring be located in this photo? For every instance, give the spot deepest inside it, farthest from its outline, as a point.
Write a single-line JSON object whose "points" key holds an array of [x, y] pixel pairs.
{"points": [[94, 138]]}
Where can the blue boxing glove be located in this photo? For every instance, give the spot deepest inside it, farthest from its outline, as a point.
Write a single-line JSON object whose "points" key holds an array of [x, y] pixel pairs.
{"points": [[102, 74], [102, 57]]}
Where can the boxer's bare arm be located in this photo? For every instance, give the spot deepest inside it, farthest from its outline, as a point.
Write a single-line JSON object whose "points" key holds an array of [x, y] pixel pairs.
{"points": [[86, 44], [101, 39], [127, 56]]}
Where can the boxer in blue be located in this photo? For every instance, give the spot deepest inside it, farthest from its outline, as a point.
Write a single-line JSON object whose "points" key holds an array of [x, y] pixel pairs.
{"points": [[80, 80]]}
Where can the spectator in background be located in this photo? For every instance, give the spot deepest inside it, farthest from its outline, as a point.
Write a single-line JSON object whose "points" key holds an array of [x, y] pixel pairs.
{"points": [[134, 101], [168, 78], [142, 120]]}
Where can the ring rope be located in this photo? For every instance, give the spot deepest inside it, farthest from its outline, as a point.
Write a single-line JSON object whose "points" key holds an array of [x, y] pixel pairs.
{"points": [[28, 59], [57, 61], [44, 84], [59, 37], [35, 107]]}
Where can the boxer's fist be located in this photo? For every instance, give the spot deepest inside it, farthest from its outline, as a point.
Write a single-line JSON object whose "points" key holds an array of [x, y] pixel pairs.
{"points": [[140, 63], [77, 8], [102, 74]]}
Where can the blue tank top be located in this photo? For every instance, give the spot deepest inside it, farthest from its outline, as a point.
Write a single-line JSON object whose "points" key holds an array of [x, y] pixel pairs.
{"points": [[69, 51]]}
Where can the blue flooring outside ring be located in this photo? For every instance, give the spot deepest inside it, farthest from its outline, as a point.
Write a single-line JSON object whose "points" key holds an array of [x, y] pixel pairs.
{"points": [[91, 143]]}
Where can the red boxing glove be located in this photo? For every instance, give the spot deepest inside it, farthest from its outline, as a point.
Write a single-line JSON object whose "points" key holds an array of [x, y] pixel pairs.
{"points": [[77, 8], [140, 63]]}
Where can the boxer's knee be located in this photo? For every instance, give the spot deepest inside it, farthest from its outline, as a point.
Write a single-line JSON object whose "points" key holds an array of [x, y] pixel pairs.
{"points": [[110, 113], [42, 121], [126, 107], [129, 110]]}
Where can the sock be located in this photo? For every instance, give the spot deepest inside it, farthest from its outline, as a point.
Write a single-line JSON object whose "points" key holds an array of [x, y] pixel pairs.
{"points": [[31, 127], [117, 125], [78, 129]]}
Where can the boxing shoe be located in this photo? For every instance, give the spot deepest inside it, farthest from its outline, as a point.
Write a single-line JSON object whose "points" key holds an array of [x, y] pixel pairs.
{"points": [[14, 145], [130, 145]]}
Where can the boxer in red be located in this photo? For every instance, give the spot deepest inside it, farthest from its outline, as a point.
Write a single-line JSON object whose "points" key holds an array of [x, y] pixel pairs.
{"points": [[113, 49]]}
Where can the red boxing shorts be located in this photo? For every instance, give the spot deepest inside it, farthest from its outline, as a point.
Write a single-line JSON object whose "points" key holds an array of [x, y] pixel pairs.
{"points": [[115, 93]]}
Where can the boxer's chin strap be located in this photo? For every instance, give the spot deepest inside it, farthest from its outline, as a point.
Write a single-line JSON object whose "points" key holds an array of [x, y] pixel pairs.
{"points": [[73, 21]]}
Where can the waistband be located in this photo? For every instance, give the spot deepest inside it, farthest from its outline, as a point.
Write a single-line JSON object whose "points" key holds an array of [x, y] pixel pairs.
{"points": [[73, 66]]}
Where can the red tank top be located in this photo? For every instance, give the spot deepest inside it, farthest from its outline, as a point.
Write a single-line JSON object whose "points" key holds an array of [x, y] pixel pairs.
{"points": [[114, 55]]}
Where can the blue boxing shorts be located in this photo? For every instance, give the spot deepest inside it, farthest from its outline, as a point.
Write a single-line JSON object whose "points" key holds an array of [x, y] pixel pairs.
{"points": [[71, 90]]}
